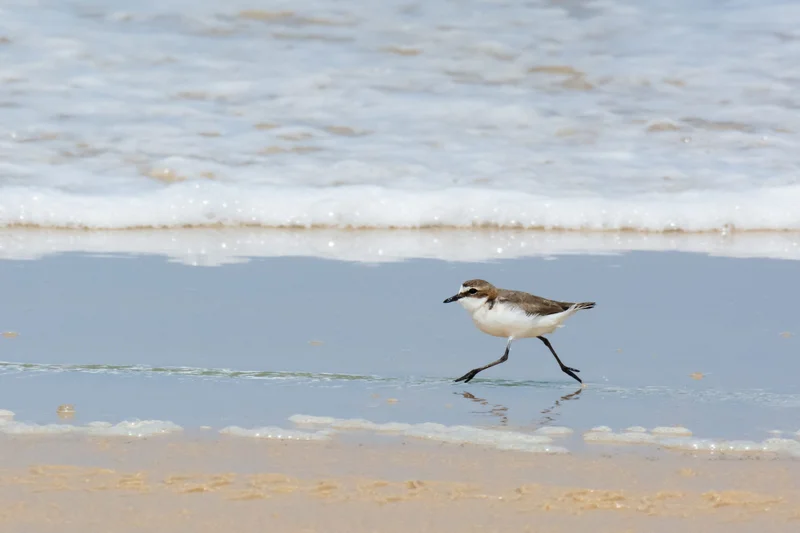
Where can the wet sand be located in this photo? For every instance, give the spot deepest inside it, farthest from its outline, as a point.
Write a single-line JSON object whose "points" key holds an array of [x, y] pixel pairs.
{"points": [[197, 483]]}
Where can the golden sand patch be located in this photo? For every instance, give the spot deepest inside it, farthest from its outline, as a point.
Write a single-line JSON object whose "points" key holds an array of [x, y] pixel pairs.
{"points": [[344, 131], [265, 16], [302, 36], [657, 127], [296, 136], [737, 498], [563, 70], [402, 50], [285, 16], [233, 484], [577, 83], [166, 175]]}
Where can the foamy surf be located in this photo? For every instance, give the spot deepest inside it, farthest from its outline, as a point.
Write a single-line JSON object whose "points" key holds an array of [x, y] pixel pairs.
{"points": [[128, 428], [498, 439], [324, 428], [276, 433], [517, 115], [679, 438], [674, 438], [185, 205], [218, 246]]}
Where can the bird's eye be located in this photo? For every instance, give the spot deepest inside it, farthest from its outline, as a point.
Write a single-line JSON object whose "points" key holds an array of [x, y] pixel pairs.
{"points": [[473, 291]]}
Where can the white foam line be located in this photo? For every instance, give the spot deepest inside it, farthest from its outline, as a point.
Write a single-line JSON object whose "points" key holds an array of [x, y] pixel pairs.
{"points": [[212, 247], [679, 438], [676, 431], [276, 433], [501, 440], [554, 431], [234, 203], [134, 428]]}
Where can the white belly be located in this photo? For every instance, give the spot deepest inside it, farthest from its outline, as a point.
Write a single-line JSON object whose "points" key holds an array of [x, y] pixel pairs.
{"points": [[509, 321]]}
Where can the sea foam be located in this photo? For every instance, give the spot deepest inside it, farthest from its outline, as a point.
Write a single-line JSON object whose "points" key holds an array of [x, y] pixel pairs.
{"points": [[499, 439], [681, 439], [276, 433], [134, 428], [213, 247], [516, 115], [372, 206]]}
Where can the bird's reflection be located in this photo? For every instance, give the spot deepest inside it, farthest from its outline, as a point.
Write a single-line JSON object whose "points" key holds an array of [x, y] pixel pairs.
{"points": [[501, 411], [551, 413], [498, 410]]}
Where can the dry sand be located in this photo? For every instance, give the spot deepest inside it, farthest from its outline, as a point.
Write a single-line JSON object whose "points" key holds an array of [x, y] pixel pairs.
{"points": [[176, 484]]}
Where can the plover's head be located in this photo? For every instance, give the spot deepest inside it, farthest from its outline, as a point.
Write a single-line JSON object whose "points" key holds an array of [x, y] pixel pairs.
{"points": [[474, 292]]}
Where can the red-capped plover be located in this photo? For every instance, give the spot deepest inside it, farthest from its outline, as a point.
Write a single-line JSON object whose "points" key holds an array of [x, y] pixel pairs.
{"points": [[514, 315]]}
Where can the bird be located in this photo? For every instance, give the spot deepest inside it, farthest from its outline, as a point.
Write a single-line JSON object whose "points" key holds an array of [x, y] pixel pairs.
{"points": [[514, 315]]}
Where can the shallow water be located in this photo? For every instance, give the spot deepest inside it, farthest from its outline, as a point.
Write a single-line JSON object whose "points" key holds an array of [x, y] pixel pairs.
{"points": [[680, 339]]}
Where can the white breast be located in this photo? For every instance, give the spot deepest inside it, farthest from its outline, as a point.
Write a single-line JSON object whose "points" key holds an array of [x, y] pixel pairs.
{"points": [[505, 320]]}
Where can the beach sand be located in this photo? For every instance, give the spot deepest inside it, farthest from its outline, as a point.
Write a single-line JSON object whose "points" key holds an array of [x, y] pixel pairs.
{"points": [[209, 484]]}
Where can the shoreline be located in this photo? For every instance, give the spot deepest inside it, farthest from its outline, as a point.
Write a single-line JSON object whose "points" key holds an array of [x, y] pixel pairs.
{"points": [[183, 484], [536, 439]]}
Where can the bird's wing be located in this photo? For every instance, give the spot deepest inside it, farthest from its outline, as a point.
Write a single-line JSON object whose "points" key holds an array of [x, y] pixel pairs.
{"points": [[532, 305]]}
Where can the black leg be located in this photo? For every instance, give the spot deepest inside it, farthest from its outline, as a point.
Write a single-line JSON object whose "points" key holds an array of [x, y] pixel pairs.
{"points": [[466, 378], [565, 369]]}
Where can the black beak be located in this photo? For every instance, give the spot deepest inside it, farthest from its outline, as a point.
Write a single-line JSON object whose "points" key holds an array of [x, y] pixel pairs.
{"points": [[453, 299]]}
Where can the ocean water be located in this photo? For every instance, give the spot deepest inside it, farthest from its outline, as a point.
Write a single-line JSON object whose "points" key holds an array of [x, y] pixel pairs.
{"points": [[594, 115]]}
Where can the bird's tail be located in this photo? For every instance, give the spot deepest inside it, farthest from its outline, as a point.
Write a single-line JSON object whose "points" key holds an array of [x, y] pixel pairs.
{"points": [[584, 305]]}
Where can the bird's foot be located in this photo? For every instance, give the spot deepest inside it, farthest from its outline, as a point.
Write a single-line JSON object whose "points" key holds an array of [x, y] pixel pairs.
{"points": [[571, 372], [466, 378]]}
